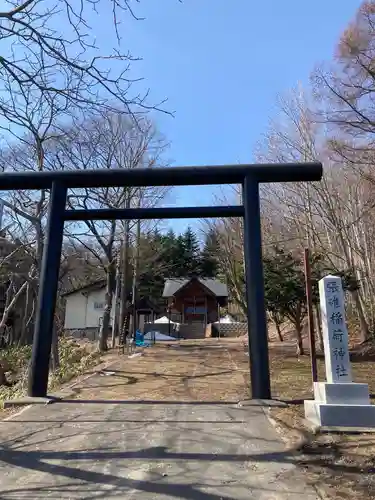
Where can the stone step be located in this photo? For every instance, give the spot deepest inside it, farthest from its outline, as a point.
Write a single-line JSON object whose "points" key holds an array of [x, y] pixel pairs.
{"points": [[340, 416]]}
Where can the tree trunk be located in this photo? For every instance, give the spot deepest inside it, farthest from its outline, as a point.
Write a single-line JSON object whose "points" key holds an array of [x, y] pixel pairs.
{"points": [[28, 334], [318, 321], [278, 329], [298, 326], [124, 276], [135, 282], [116, 319], [10, 306], [365, 333], [104, 330], [54, 360], [25, 318]]}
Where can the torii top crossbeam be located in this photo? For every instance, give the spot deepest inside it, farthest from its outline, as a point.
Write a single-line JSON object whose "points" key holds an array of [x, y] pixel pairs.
{"points": [[171, 176]]}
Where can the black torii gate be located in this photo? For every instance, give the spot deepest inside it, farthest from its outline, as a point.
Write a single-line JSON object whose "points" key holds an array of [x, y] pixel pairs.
{"points": [[249, 176]]}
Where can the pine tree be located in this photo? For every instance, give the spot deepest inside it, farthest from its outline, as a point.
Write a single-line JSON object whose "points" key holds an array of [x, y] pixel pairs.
{"points": [[151, 277], [191, 253], [164, 256], [284, 287], [209, 262], [172, 255]]}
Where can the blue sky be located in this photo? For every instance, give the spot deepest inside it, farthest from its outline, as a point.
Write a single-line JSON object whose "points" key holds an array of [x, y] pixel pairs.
{"points": [[221, 64]]}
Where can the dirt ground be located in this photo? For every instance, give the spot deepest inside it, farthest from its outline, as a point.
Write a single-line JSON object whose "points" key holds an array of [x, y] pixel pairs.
{"points": [[344, 464], [186, 371]]}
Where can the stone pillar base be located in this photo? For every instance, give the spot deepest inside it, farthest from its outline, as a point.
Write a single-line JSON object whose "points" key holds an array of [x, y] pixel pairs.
{"points": [[341, 407]]}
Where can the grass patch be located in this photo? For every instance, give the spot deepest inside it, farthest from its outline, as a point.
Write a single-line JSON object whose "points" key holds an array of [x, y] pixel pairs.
{"points": [[75, 359]]}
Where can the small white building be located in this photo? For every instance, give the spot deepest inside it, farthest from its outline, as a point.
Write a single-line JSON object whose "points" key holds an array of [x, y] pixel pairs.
{"points": [[84, 309]]}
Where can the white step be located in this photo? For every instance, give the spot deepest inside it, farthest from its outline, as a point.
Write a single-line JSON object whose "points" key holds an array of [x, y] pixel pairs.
{"points": [[340, 416], [347, 393]]}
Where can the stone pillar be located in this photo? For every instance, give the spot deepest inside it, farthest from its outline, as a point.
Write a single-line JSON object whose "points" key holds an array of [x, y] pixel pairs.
{"points": [[339, 403], [335, 332]]}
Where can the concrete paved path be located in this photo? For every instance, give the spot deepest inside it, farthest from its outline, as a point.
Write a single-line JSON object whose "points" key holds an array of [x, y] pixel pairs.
{"points": [[150, 450]]}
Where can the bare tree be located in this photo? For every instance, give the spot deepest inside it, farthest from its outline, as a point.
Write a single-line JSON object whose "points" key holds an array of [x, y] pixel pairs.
{"points": [[345, 90], [322, 215], [110, 141], [15, 273], [230, 237], [50, 49], [32, 120], [53, 72]]}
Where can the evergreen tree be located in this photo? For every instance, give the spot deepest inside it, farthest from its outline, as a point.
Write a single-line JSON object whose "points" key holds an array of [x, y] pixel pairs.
{"points": [[151, 268], [191, 252], [284, 287], [168, 244], [209, 262], [179, 260], [164, 256]]}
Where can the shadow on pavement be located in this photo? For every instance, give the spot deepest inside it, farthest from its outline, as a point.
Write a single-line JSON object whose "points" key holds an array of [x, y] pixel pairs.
{"points": [[37, 461], [144, 402]]}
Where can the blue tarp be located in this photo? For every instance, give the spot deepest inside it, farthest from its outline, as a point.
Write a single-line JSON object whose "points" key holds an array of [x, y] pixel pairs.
{"points": [[140, 340]]}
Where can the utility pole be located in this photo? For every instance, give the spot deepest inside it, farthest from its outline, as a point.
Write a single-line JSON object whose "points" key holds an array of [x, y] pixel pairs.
{"points": [[115, 327], [135, 275], [307, 268], [125, 269]]}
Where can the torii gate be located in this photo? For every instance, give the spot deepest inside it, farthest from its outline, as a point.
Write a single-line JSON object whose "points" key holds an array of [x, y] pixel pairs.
{"points": [[249, 176]]}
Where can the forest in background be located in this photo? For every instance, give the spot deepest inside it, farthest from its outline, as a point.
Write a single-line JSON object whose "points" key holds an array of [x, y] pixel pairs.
{"points": [[331, 120], [164, 256]]}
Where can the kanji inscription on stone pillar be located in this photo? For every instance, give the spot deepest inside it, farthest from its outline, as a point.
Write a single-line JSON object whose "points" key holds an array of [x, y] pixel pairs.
{"points": [[335, 332]]}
